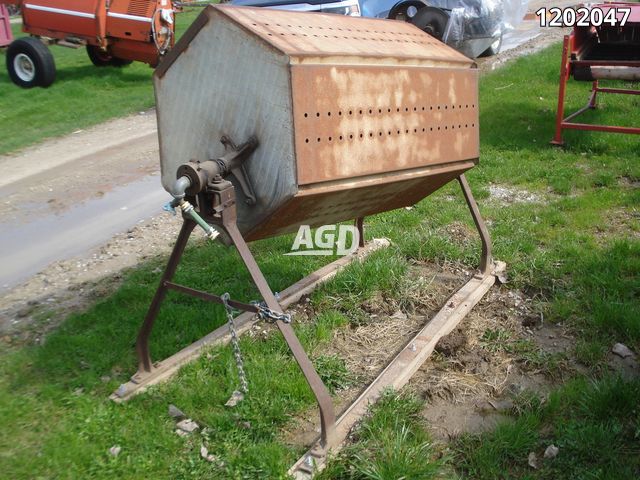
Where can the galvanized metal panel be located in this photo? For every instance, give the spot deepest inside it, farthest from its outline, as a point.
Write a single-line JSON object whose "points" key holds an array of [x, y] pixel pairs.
{"points": [[347, 126], [229, 83], [381, 119]]}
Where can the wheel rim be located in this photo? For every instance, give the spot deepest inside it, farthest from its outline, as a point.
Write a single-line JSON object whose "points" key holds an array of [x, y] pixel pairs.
{"points": [[24, 67], [496, 45]]}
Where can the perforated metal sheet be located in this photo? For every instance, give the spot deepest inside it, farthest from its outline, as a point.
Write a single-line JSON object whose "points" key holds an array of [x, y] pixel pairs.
{"points": [[353, 116], [381, 119]]}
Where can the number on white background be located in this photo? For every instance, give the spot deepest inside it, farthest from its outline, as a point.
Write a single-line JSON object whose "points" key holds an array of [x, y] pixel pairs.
{"points": [[582, 17]]}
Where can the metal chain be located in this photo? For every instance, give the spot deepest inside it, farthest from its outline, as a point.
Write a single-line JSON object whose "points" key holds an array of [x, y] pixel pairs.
{"points": [[244, 385], [265, 314], [271, 316]]}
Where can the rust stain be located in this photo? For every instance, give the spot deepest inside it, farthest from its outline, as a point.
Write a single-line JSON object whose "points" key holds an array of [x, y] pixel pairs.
{"points": [[380, 114], [318, 206]]}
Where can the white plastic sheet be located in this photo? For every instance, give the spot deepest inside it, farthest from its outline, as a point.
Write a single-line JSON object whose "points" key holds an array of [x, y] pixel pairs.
{"points": [[472, 18], [471, 21]]}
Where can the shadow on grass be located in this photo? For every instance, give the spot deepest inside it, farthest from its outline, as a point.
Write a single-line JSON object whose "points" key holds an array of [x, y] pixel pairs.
{"points": [[523, 118], [124, 74], [593, 423]]}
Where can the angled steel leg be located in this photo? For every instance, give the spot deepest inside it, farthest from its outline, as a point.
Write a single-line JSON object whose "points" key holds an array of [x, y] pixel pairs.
{"points": [[564, 77], [142, 343], [486, 258], [593, 101], [327, 413]]}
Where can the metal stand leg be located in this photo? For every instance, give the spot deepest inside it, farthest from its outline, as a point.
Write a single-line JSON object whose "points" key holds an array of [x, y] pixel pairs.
{"points": [[486, 259], [564, 76], [327, 414], [142, 343], [593, 101], [360, 226]]}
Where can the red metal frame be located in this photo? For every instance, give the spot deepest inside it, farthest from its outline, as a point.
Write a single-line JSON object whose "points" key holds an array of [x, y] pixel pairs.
{"points": [[573, 47], [6, 36]]}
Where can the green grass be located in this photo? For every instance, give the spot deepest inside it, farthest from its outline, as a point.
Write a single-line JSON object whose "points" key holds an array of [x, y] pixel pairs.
{"points": [[577, 250], [391, 443], [82, 95], [595, 425]]}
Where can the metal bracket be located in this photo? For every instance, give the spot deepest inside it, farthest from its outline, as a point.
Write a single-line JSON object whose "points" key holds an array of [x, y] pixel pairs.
{"points": [[486, 257], [234, 160], [398, 372]]}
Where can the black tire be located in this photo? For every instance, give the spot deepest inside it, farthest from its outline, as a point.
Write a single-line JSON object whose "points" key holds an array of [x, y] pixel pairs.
{"points": [[431, 20], [494, 48], [120, 62], [102, 58], [403, 9], [30, 63], [99, 57]]}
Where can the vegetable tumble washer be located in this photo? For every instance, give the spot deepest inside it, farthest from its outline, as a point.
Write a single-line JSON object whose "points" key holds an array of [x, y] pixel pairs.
{"points": [[270, 119]]}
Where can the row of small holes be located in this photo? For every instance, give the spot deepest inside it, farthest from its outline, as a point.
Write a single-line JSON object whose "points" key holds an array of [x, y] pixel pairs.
{"points": [[354, 38], [398, 110], [390, 132], [410, 34], [424, 40]]}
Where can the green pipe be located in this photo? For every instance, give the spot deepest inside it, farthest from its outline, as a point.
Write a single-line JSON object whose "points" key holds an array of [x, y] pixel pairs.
{"points": [[188, 209]]}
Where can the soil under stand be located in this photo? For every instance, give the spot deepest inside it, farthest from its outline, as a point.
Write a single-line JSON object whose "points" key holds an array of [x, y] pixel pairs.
{"points": [[499, 354]]}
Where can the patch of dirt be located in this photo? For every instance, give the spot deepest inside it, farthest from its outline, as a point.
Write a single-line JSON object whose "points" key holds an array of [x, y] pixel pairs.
{"points": [[447, 420], [628, 182], [510, 195], [619, 221], [367, 346], [460, 233], [502, 349], [502, 352]]}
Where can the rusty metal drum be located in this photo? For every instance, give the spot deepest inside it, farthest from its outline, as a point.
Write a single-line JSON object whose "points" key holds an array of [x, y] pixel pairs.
{"points": [[353, 116]]}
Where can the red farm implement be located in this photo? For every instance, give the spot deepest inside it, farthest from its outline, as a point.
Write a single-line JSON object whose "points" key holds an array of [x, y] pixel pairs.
{"points": [[610, 51]]}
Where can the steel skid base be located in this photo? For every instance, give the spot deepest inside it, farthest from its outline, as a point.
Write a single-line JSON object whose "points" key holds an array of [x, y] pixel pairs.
{"points": [[398, 372]]}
